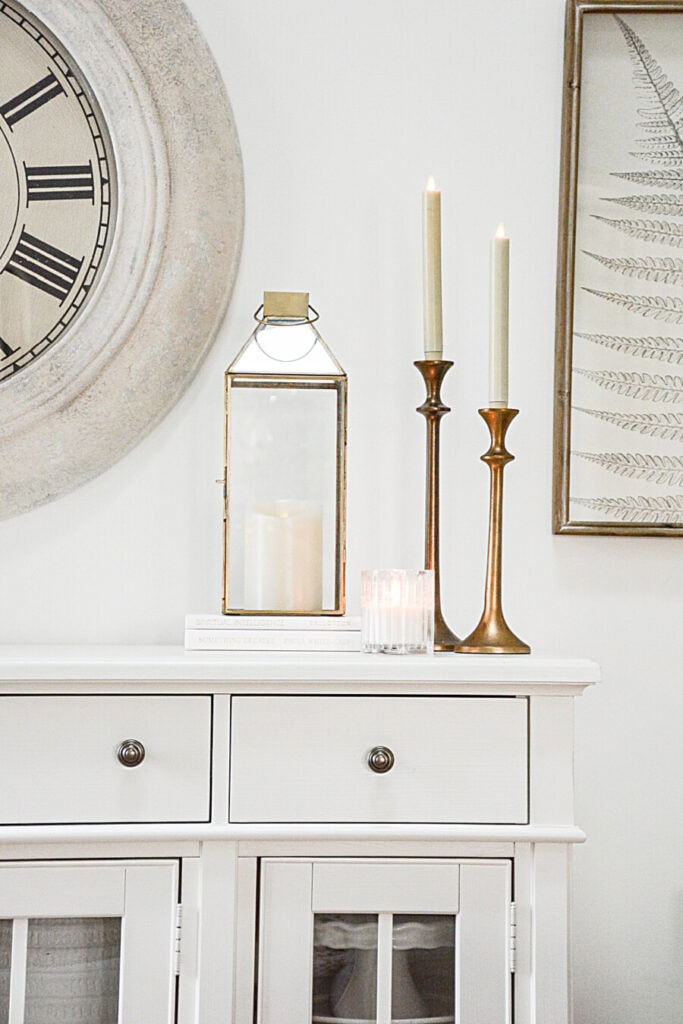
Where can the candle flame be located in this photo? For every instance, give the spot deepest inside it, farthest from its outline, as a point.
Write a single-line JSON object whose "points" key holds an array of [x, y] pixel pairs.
{"points": [[500, 231], [431, 186], [395, 594]]}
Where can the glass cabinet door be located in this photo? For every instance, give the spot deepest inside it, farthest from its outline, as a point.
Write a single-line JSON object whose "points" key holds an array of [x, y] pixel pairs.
{"points": [[415, 976], [91, 943], [64, 969], [345, 967], [384, 942]]}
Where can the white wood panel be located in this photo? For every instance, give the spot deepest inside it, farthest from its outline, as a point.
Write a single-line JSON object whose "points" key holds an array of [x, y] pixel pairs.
{"points": [[81, 848], [483, 980], [94, 663], [217, 932], [245, 941], [221, 759], [58, 759], [147, 991], [386, 886], [385, 924], [286, 943], [372, 848], [551, 758], [301, 759], [550, 951], [523, 887], [188, 988], [49, 890], [363, 831], [17, 985]]}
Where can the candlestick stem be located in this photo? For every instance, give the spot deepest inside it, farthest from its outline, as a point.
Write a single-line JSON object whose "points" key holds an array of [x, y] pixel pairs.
{"points": [[493, 635], [433, 372]]}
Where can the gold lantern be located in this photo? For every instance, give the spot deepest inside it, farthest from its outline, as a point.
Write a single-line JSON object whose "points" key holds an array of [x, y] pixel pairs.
{"points": [[285, 468]]}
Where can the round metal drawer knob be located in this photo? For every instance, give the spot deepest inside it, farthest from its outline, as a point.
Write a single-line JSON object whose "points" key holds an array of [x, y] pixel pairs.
{"points": [[381, 760], [130, 753]]}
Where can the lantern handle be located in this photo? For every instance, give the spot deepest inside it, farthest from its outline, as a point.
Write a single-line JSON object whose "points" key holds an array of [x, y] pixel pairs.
{"points": [[283, 320]]}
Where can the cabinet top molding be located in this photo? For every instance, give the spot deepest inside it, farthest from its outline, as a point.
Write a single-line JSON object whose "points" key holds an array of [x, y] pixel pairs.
{"points": [[170, 663]]}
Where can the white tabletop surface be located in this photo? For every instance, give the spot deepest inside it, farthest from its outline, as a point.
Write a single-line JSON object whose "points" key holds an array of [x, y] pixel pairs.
{"points": [[160, 662]]}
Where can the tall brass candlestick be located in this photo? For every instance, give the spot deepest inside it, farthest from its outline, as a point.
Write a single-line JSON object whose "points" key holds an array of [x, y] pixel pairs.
{"points": [[493, 635], [433, 372]]}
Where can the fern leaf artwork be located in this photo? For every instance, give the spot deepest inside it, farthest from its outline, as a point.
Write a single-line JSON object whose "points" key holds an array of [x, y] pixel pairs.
{"points": [[650, 387], [647, 268], [668, 426], [626, 419], [658, 206], [665, 350], [668, 156], [664, 178], [642, 509], [663, 232], [664, 115], [668, 308], [659, 469]]}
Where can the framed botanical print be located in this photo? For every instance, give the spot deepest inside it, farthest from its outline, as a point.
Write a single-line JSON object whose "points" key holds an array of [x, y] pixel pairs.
{"points": [[619, 348]]}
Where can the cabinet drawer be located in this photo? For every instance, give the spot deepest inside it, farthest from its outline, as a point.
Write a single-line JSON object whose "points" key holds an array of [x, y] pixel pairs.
{"points": [[59, 763], [305, 759]]}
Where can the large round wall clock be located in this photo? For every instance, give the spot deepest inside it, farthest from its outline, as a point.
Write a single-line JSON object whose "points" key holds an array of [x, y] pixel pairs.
{"points": [[121, 209]]}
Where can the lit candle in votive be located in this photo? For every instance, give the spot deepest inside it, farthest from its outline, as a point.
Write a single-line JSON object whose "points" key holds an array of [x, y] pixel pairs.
{"points": [[431, 271], [498, 336]]}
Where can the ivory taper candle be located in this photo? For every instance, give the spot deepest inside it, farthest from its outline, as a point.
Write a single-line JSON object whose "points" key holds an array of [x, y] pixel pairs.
{"points": [[431, 271], [498, 323]]}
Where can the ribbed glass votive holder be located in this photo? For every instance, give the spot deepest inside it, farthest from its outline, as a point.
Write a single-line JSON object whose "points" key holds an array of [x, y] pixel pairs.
{"points": [[397, 611]]}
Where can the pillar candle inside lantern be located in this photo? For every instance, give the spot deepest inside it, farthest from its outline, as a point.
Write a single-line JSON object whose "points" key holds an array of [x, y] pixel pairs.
{"points": [[283, 556]]}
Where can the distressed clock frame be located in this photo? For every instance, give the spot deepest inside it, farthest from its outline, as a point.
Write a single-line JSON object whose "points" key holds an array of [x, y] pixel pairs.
{"points": [[163, 293]]}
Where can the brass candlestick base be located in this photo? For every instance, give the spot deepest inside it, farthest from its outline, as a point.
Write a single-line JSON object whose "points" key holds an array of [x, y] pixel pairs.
{"points": [[493, 635], [433, 372]]}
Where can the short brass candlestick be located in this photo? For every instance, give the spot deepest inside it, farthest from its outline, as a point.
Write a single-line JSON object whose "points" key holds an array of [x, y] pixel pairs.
{"points": [[493, 635], [433, 372]]}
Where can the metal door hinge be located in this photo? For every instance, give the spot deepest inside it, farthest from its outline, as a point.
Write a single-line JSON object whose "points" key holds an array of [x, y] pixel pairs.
{"points": [[513, 937], [177, 938]]}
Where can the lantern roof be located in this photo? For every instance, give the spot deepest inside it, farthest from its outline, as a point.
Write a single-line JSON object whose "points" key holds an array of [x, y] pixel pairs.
{"points": [[286, 347]]}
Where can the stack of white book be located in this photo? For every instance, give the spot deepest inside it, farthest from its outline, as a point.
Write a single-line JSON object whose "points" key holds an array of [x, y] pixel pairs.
{"points": [[272, 633]]}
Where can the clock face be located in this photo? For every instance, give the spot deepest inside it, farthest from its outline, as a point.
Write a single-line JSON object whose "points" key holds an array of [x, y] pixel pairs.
{"points": [[57, 189], [107, 307]]}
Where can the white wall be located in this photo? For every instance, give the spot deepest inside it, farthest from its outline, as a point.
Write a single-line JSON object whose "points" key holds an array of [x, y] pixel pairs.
{"points": [[343, 111]]}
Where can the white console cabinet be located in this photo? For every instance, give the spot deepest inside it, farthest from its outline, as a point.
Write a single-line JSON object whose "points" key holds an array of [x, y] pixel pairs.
{"points": [[210, 838]]}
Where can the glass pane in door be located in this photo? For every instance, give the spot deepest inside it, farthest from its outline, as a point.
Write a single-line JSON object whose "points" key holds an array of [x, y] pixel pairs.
{"points": [[5, 964], [72, 970], [345, 968], [423, 968]]}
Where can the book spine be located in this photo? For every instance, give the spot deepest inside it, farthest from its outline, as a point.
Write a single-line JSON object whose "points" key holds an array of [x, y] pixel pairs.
{"points": [[271, 640], [294, 623]]}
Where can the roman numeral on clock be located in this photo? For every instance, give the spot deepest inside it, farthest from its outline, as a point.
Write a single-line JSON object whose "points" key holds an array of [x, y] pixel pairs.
{"points": [[6, 350], [30, 99], [44, 266], [67, 181]]}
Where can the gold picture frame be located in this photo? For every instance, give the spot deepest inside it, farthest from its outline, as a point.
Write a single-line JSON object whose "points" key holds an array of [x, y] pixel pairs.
{"points": [[618, 446]]}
